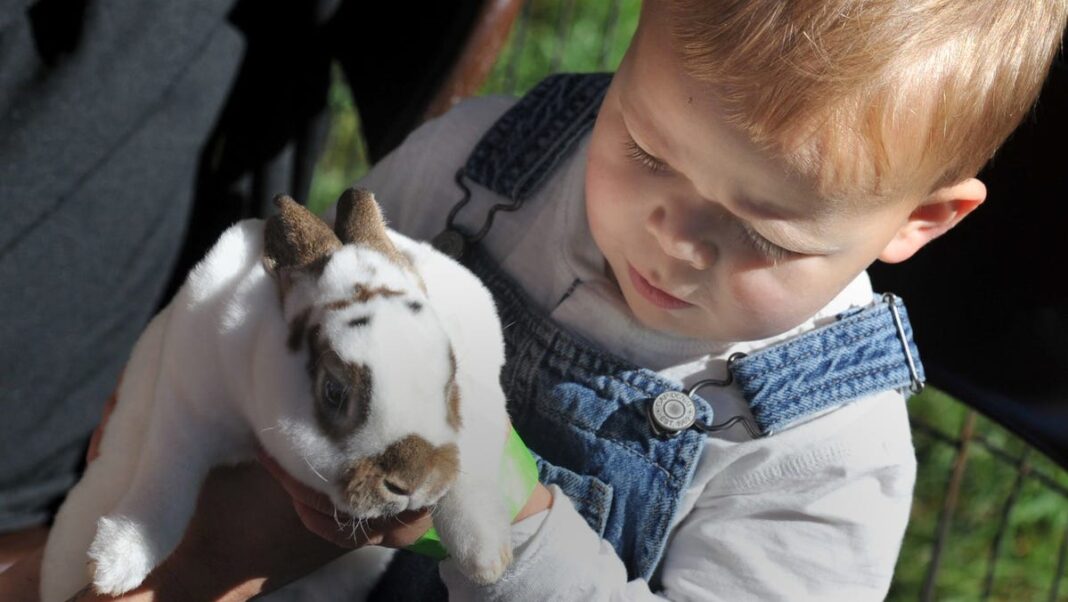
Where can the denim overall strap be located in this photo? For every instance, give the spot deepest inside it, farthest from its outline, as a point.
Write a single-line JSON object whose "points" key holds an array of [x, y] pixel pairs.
{"points": [[526, 144], [582, 411], [866, 351]]}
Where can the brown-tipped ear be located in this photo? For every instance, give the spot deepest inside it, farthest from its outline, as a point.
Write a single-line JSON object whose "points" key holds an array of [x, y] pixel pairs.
{"points": [[295, 238], [359, 220]]}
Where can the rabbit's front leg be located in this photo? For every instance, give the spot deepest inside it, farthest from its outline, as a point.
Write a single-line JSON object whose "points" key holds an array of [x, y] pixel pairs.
{"points": [[152, 516], [474, 524], [473, 518]]}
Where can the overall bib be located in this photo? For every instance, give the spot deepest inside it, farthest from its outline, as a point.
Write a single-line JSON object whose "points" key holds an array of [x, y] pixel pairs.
{"points": [[586, 414]]}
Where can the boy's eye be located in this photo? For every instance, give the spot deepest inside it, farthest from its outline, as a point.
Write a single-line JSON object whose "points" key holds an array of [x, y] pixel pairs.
{"points": [[637, 153], [764, 246]]}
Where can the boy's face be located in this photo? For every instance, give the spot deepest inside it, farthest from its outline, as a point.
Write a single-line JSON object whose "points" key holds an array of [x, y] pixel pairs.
{"points": [[707, 235]]}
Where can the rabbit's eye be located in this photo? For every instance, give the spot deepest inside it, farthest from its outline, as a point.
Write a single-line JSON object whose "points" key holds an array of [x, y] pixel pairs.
{"points": [[334, 395], [343, 404]]}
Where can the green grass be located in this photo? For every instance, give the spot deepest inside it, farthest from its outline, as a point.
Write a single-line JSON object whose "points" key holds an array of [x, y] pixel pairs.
{"points": [[564, 35], [1036, 523]]}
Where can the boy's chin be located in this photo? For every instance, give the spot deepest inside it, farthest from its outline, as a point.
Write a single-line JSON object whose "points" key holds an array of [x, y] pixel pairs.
{"points": [[698, 324], [684, 323]]}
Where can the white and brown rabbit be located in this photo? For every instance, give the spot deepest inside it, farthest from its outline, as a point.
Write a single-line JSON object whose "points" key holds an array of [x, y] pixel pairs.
{"points": [[366, 363]]}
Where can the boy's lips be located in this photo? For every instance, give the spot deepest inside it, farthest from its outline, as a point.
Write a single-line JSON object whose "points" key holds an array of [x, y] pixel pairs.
{"points": [[654, 295]]}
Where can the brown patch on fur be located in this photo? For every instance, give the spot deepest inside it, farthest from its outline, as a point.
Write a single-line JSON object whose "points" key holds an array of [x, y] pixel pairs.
{"points": [[297, 328], [363, 294], [359, 220], [407, 464], [315, 355], [295, 239], [342, 304], [452, 396], [356, 378]]}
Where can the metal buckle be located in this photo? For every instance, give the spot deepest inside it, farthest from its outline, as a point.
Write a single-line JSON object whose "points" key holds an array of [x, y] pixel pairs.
{"points": [[674, 411], [917, 383]]}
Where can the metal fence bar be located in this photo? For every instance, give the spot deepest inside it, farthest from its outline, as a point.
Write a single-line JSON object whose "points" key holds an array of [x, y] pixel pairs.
{"points": [[1062, 559], [945, 518], [1006, 512], [1046, 480]]}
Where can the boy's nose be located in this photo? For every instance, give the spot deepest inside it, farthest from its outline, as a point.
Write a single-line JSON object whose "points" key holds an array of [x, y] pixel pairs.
{"points": [[681, 242]]}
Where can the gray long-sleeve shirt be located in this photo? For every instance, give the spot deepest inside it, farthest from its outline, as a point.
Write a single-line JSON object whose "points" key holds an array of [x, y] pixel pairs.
{"points": [[104, 107]]}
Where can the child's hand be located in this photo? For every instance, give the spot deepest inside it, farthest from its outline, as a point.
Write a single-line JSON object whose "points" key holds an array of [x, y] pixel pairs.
{"points": [[318, 514]]}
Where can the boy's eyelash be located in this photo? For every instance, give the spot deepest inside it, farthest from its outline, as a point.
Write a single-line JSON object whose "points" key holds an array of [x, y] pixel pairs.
{"points": [[764, 246], [638, 154]]}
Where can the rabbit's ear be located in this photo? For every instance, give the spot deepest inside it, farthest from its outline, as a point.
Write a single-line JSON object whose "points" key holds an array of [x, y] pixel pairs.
{"points": [[359, 220], [295, 238]]}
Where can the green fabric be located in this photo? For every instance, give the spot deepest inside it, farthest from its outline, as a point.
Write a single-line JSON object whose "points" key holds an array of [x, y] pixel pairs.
{"points": [[519, 476]]}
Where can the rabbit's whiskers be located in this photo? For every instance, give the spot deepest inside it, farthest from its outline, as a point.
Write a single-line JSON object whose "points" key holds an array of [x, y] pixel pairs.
{"points": [[317, 473]]}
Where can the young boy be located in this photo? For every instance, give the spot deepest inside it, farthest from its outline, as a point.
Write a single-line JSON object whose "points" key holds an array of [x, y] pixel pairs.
{"points": [[749, 160]]}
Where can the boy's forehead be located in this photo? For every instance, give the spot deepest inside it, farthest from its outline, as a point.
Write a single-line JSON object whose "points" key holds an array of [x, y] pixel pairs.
{"points": [[678, 119], [822, 154]]}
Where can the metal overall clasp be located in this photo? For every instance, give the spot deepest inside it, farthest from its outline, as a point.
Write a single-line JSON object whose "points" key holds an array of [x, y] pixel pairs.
{"points": [[672, 412]]}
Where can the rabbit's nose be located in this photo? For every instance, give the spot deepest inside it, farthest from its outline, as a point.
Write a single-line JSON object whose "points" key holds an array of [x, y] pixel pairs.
{"points": [[397, 488]]}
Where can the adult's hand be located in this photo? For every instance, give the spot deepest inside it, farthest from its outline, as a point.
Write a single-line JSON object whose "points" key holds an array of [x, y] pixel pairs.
{"points": [[318, 514], [244, 538]]}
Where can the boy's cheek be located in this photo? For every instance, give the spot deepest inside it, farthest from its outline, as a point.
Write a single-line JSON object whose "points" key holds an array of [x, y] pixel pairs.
{"points": [[765, 305]]}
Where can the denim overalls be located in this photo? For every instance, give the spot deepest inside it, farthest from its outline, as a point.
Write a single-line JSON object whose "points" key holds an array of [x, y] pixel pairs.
{"points": [[586, 414]]}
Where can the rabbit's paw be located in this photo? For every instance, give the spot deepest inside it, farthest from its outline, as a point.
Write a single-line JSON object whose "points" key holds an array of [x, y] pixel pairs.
{"points": [[120, 556], [483, 559]]}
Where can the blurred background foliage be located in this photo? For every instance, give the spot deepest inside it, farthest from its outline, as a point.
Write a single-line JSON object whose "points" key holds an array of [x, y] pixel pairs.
{"points": [[587, 35]]}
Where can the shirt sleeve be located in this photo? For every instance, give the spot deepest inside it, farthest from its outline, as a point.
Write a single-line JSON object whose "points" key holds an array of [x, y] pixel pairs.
{"points": [[818, 516], [414, 184]]}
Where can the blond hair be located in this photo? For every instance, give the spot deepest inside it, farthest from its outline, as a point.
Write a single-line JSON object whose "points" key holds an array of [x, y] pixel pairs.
{"points": [[878, 98]]}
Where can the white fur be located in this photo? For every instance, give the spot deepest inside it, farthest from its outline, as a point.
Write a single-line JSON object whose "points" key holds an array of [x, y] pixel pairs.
{"points": [[212, 374]]}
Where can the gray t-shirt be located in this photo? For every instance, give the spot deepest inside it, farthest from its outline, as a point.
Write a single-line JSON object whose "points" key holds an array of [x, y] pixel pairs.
{"points": [[104, 107]]}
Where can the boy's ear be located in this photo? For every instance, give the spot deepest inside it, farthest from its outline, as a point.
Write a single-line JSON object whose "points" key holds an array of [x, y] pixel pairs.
{"points": [[939, 213]]}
